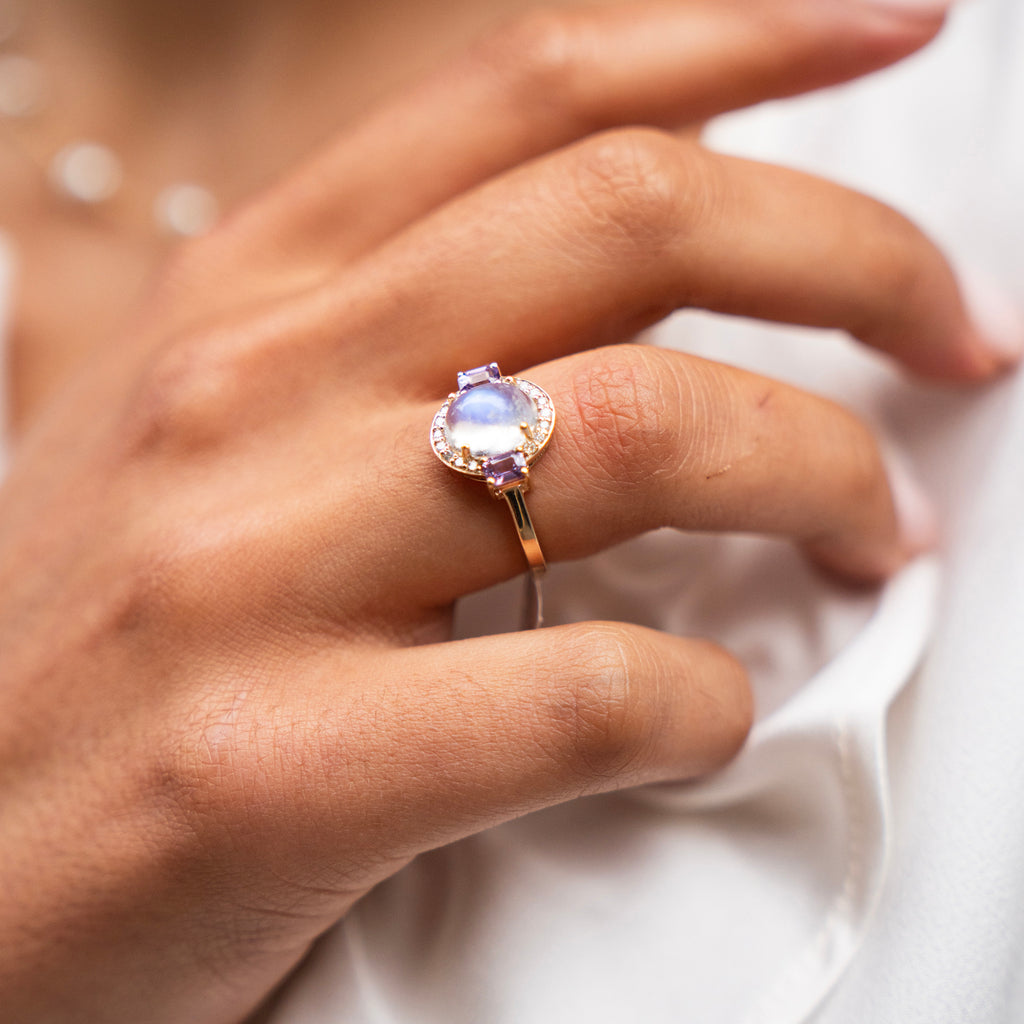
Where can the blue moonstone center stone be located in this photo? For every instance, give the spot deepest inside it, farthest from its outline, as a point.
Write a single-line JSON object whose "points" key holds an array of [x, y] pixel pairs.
{"points": [[486, 419]]}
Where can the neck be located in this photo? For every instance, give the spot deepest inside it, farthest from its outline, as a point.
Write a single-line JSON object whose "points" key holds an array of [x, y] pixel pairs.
{"points": [[232, 92], [225, 93]]}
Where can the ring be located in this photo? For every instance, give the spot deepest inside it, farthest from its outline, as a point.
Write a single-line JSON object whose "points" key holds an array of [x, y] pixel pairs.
{"points": [[493, 428]]}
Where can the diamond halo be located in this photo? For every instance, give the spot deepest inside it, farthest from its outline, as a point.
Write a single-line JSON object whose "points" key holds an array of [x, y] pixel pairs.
{"points": [[481, 464]]}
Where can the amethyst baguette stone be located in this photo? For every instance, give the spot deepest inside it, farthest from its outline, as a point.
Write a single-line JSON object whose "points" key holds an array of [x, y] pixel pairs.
{"points": [[478, 375], [504, 471], [487, 419]]}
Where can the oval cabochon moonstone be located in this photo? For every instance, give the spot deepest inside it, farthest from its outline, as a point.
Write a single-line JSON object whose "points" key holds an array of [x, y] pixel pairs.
{"points": [[487, 419]]}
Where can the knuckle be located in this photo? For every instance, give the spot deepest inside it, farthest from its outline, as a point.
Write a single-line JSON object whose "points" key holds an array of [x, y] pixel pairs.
{"points": [[190, 395], [193, 263], [726, 422], [606, 715], [197, 258], [624, 405], [217, 760], [729, 704], [896, 262], [177, 578], [540, 56], [863, 477], [894, 257], [630, 183]]}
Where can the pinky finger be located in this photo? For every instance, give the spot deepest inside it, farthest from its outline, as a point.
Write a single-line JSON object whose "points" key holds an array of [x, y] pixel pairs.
{"points": [[470, 734]]}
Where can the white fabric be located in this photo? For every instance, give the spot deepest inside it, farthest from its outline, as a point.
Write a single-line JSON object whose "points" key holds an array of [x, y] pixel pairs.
{"points": [[835, 872], [751, 897]]}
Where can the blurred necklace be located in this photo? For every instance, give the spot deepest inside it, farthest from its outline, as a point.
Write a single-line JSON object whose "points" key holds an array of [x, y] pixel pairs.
{"points": [[85, 171]]}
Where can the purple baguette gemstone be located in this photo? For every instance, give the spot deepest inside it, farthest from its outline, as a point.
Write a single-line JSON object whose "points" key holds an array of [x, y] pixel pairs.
{"points": [[479, 375], [505, 470]]}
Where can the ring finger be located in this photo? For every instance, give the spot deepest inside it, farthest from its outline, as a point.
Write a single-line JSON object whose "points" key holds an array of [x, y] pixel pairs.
{"points": [[648, 438]]}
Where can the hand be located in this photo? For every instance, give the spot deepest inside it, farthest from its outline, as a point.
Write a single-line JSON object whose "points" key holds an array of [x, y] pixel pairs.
{"points": [[227, 556]]}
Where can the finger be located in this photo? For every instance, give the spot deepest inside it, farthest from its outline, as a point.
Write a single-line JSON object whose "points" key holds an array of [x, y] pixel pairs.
{"points": [[601, 239], [555, 76], [450, 739], [647, 438]]}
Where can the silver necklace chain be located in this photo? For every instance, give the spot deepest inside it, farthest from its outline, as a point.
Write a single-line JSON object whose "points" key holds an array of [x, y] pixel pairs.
{"points": [[84, 171]]}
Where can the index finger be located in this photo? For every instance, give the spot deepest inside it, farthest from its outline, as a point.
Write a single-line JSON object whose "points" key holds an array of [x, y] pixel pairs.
{"points": [[552, 77]]}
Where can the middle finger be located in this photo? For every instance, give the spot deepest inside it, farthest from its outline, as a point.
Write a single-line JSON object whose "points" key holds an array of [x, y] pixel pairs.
{"points": [[595, 242]]}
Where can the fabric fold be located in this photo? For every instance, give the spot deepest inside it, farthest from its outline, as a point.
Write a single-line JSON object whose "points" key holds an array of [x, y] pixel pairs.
{"points": [[834, 731]]}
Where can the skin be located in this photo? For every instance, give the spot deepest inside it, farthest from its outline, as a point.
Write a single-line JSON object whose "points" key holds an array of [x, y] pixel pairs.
{"points": [[227, 557]]}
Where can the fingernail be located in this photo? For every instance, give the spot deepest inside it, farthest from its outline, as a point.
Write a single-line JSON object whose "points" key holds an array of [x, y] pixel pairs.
{"points": [[997, 320], [915, 513]]}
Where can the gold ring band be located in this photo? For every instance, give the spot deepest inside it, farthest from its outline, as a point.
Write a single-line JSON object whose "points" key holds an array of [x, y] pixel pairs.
{"points": [[524, 527]]}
